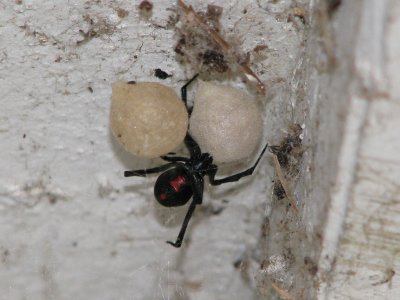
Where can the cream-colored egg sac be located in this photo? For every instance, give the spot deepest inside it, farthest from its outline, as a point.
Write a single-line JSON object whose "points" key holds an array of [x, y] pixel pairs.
{"points": [[147, 118], [225, 122]]}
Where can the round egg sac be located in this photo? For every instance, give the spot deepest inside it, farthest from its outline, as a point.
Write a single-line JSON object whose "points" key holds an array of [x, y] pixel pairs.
{"points": [[147, 118], [226, 122]]}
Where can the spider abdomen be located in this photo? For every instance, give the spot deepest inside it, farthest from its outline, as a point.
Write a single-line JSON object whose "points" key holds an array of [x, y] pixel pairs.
{"points": [[173, 187]]}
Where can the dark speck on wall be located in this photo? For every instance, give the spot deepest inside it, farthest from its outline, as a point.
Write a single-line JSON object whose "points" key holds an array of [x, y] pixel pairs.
{"points": [[161, 74]]}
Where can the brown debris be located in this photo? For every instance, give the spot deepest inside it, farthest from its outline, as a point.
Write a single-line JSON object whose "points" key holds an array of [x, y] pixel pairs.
{"points": [[283, 293], [216, 60], [286, 160], [285, 184], [146, 9], [209, 24], [146, 6], [214, 11]]}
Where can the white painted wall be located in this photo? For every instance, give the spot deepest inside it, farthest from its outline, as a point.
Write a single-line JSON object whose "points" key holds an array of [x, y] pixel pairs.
{"points": [[71, 226], [359, 258]]}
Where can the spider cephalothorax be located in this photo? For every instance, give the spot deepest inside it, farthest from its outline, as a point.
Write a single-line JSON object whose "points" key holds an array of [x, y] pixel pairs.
{"points": [[182, 177]]}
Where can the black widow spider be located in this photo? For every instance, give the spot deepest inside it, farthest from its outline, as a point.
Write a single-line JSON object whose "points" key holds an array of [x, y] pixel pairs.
{"points": [[182, 177]]}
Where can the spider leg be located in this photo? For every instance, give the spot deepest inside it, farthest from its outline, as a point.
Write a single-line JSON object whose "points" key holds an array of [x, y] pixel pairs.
{"points": [[197, 200], [193, 147], [184, 93], [190, 143], [185, 223], [144, 172], [234, 177], [175, 158]]}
